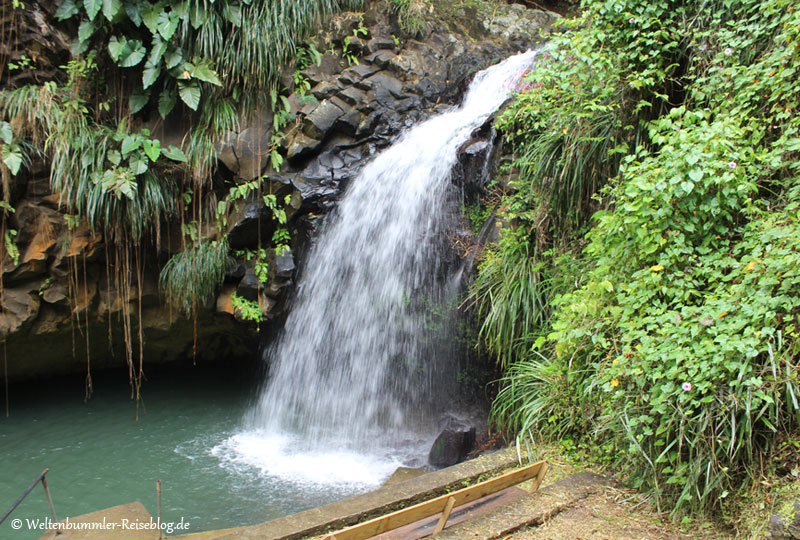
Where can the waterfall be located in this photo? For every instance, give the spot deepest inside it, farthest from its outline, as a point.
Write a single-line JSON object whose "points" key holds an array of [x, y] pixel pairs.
{"points": [[357, 364]]}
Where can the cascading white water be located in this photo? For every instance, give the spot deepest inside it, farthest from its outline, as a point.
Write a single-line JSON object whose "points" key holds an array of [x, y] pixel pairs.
{"points": [[355, 362]]}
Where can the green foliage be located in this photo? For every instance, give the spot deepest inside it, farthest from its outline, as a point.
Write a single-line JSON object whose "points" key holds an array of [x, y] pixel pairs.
{"points": [[675, 347], [510, 294], [191, 277], [11, 246], [109, 176], [248, 310], [177, 50], [350, 56], [477, 214], [409, 14]]}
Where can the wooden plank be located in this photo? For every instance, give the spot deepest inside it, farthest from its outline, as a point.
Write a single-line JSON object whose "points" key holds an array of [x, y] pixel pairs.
{"points": [[448, 507], [379, 525], [539, 477]]}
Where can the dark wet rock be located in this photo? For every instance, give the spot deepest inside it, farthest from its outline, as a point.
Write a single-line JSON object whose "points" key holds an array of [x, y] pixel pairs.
{"points": [[328, 67], [301, 144], [380, 44], [352, 96], [284, 264], [321, 120], [249, 286], [20, 308], [475, 165], [246, 153], [324, 89], [380, 58], [455, 440]]}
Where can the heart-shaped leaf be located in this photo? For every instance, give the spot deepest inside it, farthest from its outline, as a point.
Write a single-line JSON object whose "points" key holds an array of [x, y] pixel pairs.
{"points": [[190, 94], [92, 7], [152, 147], [126, 53], [85, 30], [166, 102], [134, 10], [131, 143], [167, 24], [12, 157], [111, 8], [138, 100]]}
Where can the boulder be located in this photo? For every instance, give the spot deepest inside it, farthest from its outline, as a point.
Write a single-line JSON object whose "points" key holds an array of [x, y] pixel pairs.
{"points": [[455, 440], [284, 263]]}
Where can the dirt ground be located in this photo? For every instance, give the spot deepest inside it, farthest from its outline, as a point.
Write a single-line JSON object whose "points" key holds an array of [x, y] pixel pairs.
{"points": [[615, 514]]}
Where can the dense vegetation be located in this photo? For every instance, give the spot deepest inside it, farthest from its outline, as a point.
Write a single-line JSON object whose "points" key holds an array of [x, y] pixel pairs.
{"points": [[646, 290]]}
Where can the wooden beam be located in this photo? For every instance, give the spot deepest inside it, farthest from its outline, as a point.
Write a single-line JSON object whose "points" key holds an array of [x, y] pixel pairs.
{"points": [[391, 521], [445, 515]]}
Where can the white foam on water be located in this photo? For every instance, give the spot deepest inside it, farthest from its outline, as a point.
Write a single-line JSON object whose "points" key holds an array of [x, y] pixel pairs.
{"points": [[282, 457]]}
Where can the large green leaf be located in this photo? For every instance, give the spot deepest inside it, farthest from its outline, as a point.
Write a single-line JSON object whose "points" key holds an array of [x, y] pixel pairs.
{"points": [[92, 7], [152, 147], [12, 157], [6, 133], [167, 24], [151, 14], [131, 143], [134, 10], [150, 74], [190, 93], [139, 98], [173, 57], [85, 30], [114, 157], [233, 13], [126, 53], [157, 49], [205, 73], [111, 8], [166, 102], [174, 153], [138, 164], [67, 9]]}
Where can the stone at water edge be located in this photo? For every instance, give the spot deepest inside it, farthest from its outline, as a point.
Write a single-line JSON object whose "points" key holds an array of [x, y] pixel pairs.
{"points": [[454, 442]]}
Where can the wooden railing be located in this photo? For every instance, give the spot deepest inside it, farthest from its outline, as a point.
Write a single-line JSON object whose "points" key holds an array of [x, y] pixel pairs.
{"points": [[443, 504]]}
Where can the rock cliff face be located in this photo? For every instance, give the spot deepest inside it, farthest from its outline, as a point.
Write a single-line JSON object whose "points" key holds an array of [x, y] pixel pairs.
{"points": [[60, 311]]}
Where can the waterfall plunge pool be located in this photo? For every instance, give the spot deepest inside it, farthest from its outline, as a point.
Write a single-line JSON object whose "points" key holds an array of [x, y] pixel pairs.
{"points": [[188, 435]]}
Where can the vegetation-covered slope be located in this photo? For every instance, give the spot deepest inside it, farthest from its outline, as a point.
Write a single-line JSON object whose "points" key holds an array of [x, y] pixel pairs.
{"points": [[645, 293]]}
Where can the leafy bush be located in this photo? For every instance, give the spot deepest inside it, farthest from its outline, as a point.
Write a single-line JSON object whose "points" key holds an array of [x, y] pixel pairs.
{"points": [[677, 348]]}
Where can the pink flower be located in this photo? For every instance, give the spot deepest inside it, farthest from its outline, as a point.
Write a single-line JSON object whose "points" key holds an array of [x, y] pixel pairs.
{"points": [[732, 165], [728, 51], [686, 386], [631, 20]]}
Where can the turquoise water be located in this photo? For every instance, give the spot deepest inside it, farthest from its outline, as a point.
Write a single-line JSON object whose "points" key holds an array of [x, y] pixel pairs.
{"points": [[100, 455]]}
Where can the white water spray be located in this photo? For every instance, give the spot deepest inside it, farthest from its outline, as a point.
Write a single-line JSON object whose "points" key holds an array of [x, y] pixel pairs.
{"points": [[354, 367]]}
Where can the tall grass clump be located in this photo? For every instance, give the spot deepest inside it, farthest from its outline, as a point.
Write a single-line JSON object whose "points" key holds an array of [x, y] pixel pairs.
{"points": [[191, 277], [675, 345]]}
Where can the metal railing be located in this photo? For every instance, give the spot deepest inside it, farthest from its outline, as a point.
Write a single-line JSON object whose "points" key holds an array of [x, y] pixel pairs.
{"points": [[41, 478]]}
